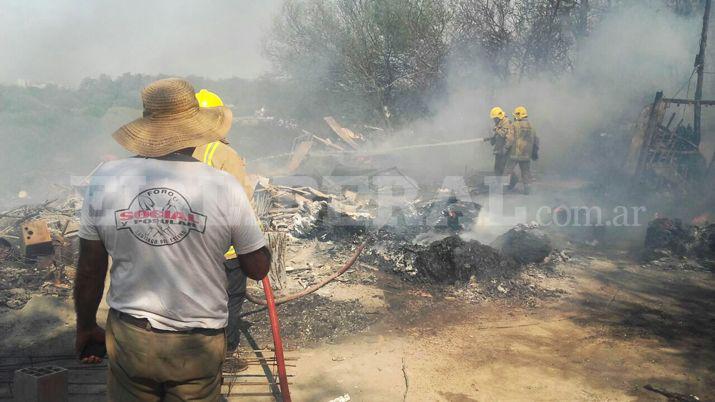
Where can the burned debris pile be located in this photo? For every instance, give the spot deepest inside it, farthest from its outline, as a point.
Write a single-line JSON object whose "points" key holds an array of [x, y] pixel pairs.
{"points": [[524, 243], [446, 215], [323, 220], [704, 241], [665, 237], [305, 212], [454, 260], [38, 250], [670, 240], [467, 268], [421, 242]]}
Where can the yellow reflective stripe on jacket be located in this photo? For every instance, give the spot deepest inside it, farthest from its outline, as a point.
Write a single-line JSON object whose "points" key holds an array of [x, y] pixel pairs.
{"points": [[209, 160], [209, 153], [206, 154], [231, 253]]}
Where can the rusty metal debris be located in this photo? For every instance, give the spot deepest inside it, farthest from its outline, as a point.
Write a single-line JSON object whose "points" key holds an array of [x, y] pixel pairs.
{"points": [[36, 239], [38, 249]]}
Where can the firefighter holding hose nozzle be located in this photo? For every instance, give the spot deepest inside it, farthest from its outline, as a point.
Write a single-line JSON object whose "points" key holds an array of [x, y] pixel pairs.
{"points": [[502, 129]]}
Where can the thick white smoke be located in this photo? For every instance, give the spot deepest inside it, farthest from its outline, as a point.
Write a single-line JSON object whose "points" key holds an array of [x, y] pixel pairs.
{"points": [[634, 51], [64, 41]]}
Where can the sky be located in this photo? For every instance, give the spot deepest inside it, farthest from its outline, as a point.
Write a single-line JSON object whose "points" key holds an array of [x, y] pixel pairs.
{"points": [[64, 41]]}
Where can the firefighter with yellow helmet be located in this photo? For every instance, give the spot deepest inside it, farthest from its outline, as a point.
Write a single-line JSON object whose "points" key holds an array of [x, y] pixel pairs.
{"points": [[220, 155], [522, 146], [502, 129]]}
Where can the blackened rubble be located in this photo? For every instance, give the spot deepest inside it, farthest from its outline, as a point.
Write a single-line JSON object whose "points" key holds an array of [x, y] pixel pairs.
{"points": [[469, 269], [447, 215], [524, 243], [674, 244], [454, 260], [23, 274]]}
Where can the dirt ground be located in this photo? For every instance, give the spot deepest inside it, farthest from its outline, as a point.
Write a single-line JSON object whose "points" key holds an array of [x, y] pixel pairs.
{"points": [[619, 327]]}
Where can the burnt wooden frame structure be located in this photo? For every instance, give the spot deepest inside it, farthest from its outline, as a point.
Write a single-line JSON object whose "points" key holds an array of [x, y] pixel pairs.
{"points": [[658, 149]]}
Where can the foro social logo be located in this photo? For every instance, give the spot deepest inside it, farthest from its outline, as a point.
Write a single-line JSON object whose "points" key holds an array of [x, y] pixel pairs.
{"points": [[159, 217]]}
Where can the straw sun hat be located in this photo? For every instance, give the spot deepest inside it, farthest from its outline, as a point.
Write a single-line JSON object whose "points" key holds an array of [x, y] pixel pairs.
{"points": [[172, 121]]}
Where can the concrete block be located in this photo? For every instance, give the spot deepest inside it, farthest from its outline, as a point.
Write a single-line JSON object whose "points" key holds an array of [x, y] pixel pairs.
{"points": [[40, 384]]}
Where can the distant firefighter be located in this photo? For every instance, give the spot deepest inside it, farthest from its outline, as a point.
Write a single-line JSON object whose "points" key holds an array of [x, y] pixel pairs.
{"points": [[502, 129], [522, 146]]}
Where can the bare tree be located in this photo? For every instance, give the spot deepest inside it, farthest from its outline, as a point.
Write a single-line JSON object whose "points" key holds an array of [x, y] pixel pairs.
{"points": [[487, 30], [388, 52], [384, 58]]}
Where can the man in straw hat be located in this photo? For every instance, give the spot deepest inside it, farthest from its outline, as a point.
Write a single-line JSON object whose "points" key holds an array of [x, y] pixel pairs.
{"points": [[166, 220]]}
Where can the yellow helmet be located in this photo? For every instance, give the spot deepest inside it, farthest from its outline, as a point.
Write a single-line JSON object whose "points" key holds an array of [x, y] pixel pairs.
{"points": [[208, 99], [520, 112], [497, 113]]}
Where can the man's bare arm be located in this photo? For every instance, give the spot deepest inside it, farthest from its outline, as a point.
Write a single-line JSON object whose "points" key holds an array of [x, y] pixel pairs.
{"points": [[89, 281], [256, 264], [88, 290]]}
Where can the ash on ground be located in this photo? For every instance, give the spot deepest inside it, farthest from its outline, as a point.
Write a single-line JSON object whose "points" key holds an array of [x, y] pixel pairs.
{"points": [[468, 269], [311, 319], [19, 281]]}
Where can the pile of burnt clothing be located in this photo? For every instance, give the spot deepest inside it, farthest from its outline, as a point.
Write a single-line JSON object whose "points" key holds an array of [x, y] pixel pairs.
{"points": [[449, 214], [454, 260], [525, 244], [667, 238], [445, 260]]}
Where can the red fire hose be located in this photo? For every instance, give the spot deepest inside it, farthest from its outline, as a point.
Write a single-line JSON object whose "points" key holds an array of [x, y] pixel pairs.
{"points": [[307, 291], [270, 303], [277, 342]]}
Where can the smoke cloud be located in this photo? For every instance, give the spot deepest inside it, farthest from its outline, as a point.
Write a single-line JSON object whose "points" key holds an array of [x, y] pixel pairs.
{"points": [[635, 51], [64, 41]]}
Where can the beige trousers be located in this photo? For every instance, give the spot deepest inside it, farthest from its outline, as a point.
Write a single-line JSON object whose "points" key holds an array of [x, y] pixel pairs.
{"points": [[524, 170], [151, 366]]}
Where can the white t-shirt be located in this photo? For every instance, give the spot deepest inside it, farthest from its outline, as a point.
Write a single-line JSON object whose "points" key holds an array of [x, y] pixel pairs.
{"points": [[167, 223]]}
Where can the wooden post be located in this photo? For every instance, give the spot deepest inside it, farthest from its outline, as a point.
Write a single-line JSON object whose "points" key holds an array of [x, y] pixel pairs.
{"points": [[277, 242], [700, 67]]}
